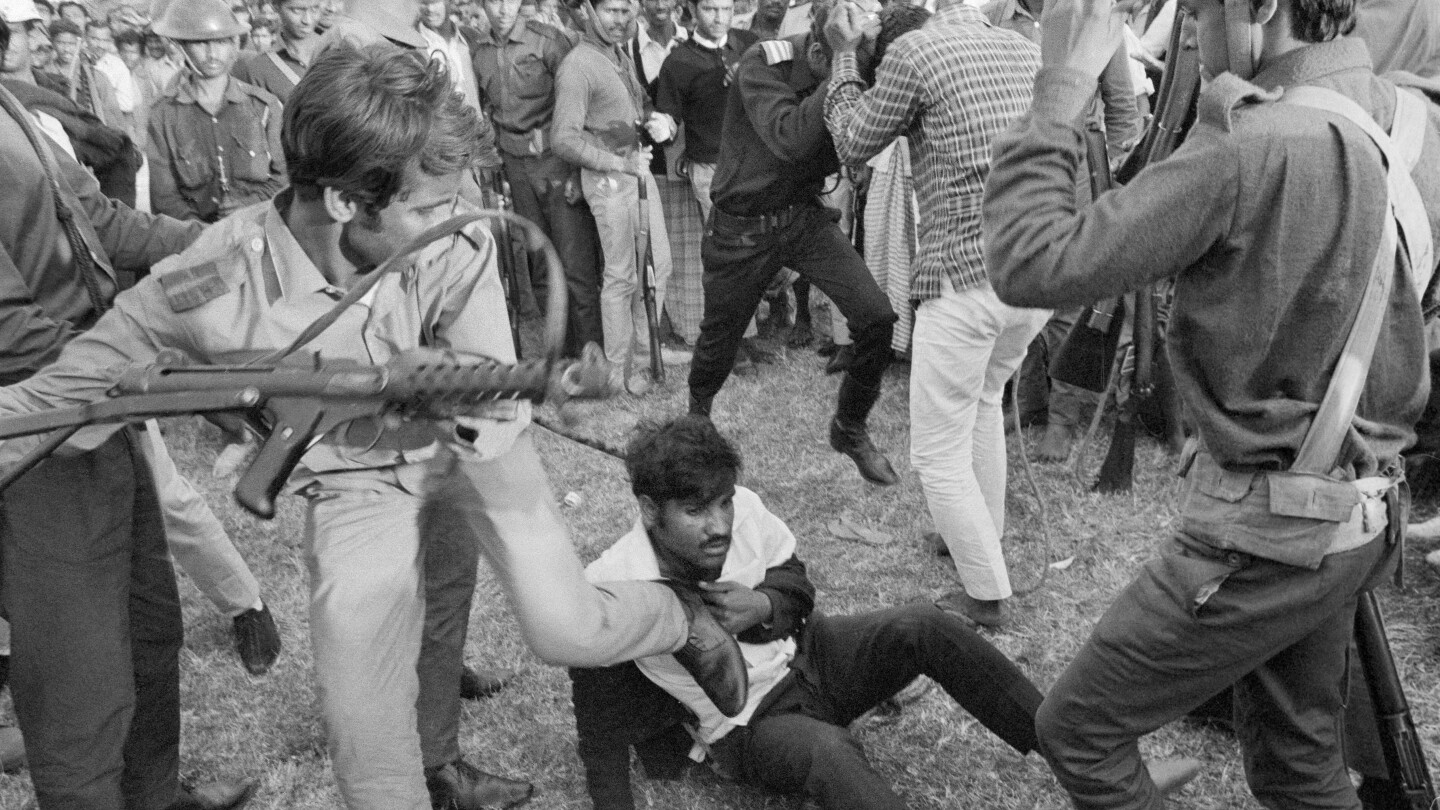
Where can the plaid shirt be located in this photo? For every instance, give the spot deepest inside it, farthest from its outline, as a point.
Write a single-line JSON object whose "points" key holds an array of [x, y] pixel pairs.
{"points": [[951, 87]]}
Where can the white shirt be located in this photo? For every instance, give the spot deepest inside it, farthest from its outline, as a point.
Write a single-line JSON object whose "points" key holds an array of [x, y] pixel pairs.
{"points": [[759, 541], [456, 53], [113, 68], [653, 52]]}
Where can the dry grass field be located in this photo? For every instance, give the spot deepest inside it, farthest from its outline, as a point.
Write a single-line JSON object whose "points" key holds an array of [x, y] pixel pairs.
{"points": [[267, 729]]}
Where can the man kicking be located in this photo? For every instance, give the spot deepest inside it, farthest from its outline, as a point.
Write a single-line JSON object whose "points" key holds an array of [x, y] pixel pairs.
{"points": [[377, 149]]}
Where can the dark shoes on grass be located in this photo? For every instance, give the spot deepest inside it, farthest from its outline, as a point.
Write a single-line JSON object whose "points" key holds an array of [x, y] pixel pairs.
{"points": [[462, 786], [855, 442], [993, 614], [257, 639], [711, 655], [482, 683], [215, 796]]}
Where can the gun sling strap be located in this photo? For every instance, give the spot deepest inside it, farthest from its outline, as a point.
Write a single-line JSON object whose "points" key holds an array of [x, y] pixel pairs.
{"points": [[1406, 228]]}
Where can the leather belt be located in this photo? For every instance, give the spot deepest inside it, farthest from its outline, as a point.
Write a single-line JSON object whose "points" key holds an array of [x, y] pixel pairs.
{"points": [[759, 224]]}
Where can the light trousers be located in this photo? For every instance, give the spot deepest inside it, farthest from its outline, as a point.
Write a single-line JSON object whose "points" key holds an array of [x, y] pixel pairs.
{"points": [[614, 198], [364, 551], [967, 344], [197, 539]]}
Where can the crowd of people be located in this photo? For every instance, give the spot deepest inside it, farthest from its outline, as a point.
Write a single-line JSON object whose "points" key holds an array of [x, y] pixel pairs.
{"points": [[208, 178]]}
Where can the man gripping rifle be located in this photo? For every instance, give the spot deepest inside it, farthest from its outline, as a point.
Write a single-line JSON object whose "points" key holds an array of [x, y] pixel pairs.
{"points": [[382, 506]]}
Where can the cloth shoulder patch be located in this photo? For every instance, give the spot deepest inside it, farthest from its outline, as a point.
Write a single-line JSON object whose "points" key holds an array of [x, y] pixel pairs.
{"points": [[777, 51], [190, 287], [1224, 95]]}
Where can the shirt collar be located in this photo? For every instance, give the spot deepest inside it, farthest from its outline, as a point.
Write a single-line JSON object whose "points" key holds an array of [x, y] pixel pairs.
{"points": [[294, 272], [517, 34], [959, 10], [645, 41], [185, 92], [714, 46], [1306, 64]]}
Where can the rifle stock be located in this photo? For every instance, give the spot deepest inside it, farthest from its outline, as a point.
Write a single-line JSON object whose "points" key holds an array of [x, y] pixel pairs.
{"points": [[647, 283], [505, 247], [1178, 94], [1399, 741]]}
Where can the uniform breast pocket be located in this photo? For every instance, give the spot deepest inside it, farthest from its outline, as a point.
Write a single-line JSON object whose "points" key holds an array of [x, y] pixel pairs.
{"points": [[252, 153], [193, 169], [532, 79]]}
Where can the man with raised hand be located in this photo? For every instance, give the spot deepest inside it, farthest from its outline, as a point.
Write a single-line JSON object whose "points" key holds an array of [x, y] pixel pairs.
{"points": [[967, 343], [1292, 507]]}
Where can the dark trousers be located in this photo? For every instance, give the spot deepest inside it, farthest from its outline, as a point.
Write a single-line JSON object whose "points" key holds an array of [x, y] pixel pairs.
{"points": [[740, 265], [1279, 633], [798, 741], [540, 198], [86, 582], [451, 556]]}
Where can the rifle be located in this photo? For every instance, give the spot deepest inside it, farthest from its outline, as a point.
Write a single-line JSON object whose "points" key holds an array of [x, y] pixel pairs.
{"points": [[1179, 91], [66, 422], [497, 195], [1399, 742], [647, 276], [290, 406]]}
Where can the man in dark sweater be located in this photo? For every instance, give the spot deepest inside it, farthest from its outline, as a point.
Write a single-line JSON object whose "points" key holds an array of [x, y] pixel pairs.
{"points": [[694, 83], [810, 675]]}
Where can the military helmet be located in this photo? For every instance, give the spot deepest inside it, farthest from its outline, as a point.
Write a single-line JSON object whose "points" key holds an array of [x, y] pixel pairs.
{"points": [[190, 20], [392, 19]]}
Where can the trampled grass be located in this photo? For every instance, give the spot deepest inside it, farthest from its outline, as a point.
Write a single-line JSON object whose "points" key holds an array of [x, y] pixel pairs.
{"points": [[267, 729]]}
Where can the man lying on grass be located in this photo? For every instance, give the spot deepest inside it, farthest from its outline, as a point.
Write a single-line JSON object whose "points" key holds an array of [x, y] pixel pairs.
{"points": [[810, 675]]}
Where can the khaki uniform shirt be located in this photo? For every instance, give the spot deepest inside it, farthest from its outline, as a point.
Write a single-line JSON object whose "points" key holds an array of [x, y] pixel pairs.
{"points": [[246, 287], [205, 166]]}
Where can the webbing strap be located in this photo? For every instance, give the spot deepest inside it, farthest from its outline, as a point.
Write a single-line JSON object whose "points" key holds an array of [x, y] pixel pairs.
{"points": [[1321, 447]]}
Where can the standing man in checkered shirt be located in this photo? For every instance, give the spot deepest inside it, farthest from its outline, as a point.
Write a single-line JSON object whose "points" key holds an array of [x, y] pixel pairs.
{"points": [[951, 87]]}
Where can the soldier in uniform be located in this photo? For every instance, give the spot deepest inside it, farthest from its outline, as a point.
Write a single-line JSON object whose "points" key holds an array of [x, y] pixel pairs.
{"points": [[251, 283], [214, 140], [280, 70], [1276, 540], [772, 165], [516, 62], [88, 588]]}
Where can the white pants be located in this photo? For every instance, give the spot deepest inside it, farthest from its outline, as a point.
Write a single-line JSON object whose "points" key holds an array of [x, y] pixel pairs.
{"points": [[614, 198], [367, 603], [196, 537], [967, 344]]}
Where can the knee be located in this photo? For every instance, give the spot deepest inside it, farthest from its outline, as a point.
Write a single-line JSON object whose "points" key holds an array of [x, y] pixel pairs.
{"points": [[1055, 729], [833, 749]]}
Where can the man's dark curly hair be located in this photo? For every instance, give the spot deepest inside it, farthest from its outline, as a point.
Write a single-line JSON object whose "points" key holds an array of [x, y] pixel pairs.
{"points": [[361, 116], [684, 459], [1321, 20], [896, 19]]}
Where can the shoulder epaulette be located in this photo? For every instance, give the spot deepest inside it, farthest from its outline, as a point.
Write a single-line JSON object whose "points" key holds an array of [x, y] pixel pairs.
{"points": [[189, 287], [1223, 96], [543, 29], [777, 51]]}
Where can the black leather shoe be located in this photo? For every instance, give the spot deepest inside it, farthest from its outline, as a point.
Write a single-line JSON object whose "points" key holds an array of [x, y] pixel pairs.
{"points": [[711, 655], [482, 683], [855, 443], [257, 640], [215, 796], [462, 786], [841, 360]]}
